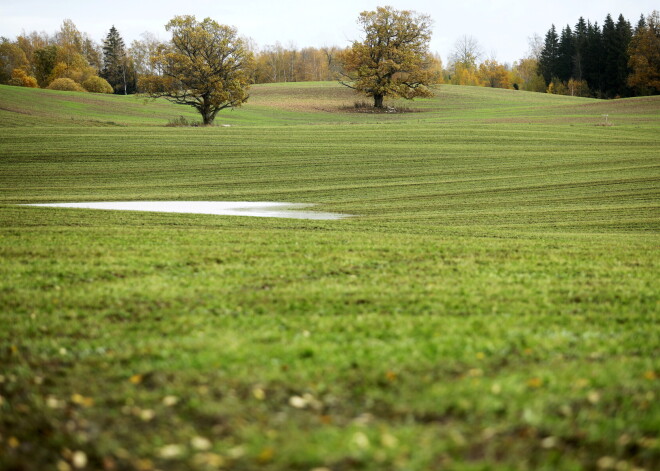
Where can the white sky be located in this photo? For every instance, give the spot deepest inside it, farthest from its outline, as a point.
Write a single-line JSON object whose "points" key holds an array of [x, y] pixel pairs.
{"points": [[502, 27]]}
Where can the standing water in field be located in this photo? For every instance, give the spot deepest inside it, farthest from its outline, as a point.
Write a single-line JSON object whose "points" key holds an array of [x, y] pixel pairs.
{"points": [[220, 208]]}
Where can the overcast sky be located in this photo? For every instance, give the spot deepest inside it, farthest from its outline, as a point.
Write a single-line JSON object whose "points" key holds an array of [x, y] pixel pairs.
{"points": [[502, 27]]}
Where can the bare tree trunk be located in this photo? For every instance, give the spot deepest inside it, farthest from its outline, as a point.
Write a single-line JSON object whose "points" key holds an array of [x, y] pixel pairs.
{"points": [[378, 101]]}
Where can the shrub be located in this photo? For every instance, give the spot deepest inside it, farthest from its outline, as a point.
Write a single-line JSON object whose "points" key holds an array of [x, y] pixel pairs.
{"points": [[65, 84], [181, 121], [97, 85], [20, 78]]}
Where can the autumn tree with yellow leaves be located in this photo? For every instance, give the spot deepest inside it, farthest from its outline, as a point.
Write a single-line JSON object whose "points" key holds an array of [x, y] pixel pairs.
{"points": [[493, 74], [644, 51], [205, 65], [393, 59]]}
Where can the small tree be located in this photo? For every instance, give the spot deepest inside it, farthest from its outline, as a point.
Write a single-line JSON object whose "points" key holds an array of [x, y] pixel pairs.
{"points": [[206, 66], [493, 74], [465, 54], [393, 59], [117, 68]]}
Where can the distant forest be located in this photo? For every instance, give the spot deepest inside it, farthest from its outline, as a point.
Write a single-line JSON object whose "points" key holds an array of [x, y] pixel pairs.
{"points": [[616, 59]]}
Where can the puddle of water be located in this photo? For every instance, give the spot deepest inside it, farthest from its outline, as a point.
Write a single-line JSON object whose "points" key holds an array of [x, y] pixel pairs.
{"points": [[220, 208]]}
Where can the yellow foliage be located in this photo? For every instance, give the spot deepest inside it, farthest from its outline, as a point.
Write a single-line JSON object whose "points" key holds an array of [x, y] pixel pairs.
{"points": [[557, 87], [644, 59], [77, 70], [206, 65], [11, 57], [393, 59], [20, 78], [493, 74], [97, 85], [465, 76], [578, 88], [65, 84]]}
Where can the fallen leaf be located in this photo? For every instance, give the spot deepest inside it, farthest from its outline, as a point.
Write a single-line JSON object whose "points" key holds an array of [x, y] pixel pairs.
{"points": [[170, 451], [200, 443], [81, 400], [147, 414], [606, 462], [297, 402], [361, 440], [212, 460], [388, 440], [170, 401], [549, 442], [63, 466], [79, 459]]}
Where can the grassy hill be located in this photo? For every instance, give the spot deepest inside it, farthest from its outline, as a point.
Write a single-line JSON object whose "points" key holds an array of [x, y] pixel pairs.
{"points": [[319, 102], [492, 305]]}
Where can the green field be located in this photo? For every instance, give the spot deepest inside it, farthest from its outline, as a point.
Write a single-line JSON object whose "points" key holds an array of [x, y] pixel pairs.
{"points": [[492, 305]]}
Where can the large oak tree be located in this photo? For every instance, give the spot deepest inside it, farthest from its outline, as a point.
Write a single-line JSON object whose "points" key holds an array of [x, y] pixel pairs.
{"points": [[206, 66], [393, 59]]}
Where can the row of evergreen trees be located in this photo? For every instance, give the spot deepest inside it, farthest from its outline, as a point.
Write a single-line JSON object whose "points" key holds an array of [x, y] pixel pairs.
{"points": [[599, 57]]}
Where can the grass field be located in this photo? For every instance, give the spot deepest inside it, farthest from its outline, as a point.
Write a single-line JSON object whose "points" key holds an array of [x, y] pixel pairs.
{"points": [[493, 305]]}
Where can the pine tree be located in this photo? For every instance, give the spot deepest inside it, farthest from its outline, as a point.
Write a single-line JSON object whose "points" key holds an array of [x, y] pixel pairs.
{"points": [[565, 52], [641, 24], [549, 55], [624, 34], [580, 45], [612, 52], [593, 58], [115, 63]]}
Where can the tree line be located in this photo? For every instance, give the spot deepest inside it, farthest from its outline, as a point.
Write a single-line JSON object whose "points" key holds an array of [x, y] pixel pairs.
{"points": [[616, 59], [67, 60]]}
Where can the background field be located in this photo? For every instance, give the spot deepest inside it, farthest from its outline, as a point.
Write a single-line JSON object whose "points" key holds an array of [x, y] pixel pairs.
{"points": [[492, 305]]}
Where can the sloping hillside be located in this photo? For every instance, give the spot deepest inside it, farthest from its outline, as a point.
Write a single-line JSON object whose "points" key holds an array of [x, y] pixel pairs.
{"points": [[325, 102]]}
